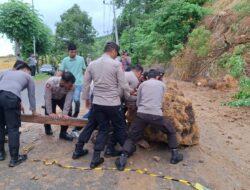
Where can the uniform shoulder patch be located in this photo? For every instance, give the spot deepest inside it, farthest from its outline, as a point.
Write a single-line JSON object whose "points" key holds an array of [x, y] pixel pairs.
{"points": [[48, 85]]}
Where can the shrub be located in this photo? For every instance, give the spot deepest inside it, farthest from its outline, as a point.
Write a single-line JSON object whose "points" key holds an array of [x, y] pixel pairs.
{"points": [[199, 40]]}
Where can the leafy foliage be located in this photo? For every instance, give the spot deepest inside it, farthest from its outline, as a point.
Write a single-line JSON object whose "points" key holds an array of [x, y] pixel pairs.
{"points": [[75, 26], [155, 30], [97, 48], [235, 63], [20, 23], [222, 61], [242, 98], [243, 8], [199, 40], [44, 42]]}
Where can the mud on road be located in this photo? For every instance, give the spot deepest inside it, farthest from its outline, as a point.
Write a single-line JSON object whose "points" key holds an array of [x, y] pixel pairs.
{"points": [[221, 161]]}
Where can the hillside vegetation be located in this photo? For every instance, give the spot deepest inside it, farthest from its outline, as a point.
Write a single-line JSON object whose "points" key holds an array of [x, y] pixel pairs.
{"points": [[220, 44]]}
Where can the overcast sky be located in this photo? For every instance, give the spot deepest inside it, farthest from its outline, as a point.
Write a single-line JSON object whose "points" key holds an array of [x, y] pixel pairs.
{"points": [[52, 9]]}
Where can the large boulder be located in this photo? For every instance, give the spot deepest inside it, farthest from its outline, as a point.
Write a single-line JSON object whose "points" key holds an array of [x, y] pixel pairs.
{"points": [[179, 111]]}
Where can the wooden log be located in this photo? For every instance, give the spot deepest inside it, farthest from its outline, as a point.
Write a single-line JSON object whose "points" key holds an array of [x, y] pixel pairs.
{"points": [[49, 120]]}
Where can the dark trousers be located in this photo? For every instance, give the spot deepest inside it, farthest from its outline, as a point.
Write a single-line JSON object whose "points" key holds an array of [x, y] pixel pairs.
{"points": [[88, 129], [112, 140], [103, 116], [10, 113], [33, 70], [138, 126], [59, 103]]}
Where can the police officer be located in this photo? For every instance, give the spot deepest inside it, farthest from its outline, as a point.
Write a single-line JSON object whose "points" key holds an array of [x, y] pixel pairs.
{"points": [[133, 79], [59, 92], [149, 102], [108, 77], [11, 84]]}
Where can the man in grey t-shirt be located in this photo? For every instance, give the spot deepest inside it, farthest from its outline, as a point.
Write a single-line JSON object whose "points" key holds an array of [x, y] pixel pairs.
{"points": [[149, 102]]}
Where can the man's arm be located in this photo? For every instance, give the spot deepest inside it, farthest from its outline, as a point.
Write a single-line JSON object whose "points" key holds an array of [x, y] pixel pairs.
{"points": [[122, 83], [86, 89], [139, 95], [61, 69], [83, 66], [31, 94], [48, 98], [87, 83], [68, 102]]}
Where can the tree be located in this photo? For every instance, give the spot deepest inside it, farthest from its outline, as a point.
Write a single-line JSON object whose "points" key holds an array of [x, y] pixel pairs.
{"points": [[44, 42], [154, 30], [75, 26], [19, 22]]}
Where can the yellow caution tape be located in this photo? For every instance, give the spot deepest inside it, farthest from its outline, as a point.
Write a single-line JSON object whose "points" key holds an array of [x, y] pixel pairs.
{"points": [[195, 186]]}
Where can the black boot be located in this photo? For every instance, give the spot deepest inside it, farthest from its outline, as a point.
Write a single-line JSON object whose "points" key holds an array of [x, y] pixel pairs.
{"points": [[48, 130], [79, 151], [112, 152], [121, 161], [176, 156], [66, 136], [2, 153], [16, 159], [96, 160]]}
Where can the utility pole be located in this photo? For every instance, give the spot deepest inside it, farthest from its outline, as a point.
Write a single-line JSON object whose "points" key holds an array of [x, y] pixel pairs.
{"points": [[114, 20], [34, 39]]}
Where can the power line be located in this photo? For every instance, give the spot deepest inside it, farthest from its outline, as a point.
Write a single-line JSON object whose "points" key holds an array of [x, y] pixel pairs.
{"points": [[112, 3], [34, 39]]}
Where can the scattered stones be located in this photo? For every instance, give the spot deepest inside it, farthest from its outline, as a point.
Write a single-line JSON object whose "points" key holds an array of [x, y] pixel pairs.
{"points": [[185, 164], [201, 161], [156, 158], [34, 178], [144, 144]]}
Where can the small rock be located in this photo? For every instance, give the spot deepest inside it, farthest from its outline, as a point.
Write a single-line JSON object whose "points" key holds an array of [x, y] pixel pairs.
{"points": [[44, 174], [185, 164], [201, 161], [156, 158], [229, 137], [144, 144], [34, 178]]}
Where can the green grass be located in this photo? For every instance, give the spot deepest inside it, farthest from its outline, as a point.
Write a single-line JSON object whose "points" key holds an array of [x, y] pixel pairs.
{"points": [[41, 76]]}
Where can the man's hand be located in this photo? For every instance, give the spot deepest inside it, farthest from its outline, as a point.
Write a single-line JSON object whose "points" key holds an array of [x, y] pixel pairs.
{"points": [[53, 115], [34, 113], [22, 108], [64, 116], [133, 93], [87, 104]]}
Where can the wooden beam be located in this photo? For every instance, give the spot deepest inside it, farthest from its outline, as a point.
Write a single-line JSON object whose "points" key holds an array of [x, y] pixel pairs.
{"points": [[73, 122]]}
